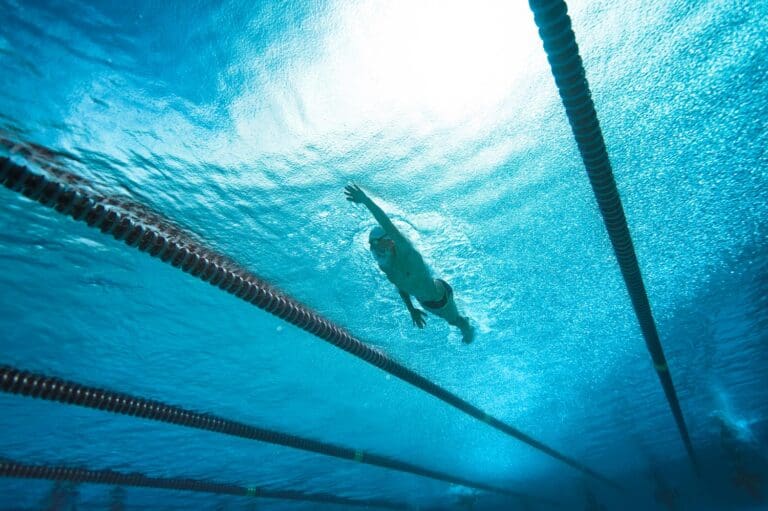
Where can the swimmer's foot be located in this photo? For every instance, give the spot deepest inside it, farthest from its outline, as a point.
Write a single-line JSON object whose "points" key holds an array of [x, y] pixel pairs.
{"points": [[467, 332]]}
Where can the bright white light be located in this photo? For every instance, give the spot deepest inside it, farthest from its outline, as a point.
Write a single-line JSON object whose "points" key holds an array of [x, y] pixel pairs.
{"points": [[442, 59], [390, 65]]}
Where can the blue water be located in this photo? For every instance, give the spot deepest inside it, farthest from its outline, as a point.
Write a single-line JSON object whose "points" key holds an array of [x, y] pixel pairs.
{"points": [[243, 121]]}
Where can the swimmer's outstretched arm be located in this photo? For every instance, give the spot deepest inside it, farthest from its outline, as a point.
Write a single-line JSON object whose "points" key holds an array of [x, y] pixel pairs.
{"points": [[355, 194], [418, 316]]}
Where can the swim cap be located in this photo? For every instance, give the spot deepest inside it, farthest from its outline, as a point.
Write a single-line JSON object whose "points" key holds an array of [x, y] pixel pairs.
{"points": [[376, 233]]}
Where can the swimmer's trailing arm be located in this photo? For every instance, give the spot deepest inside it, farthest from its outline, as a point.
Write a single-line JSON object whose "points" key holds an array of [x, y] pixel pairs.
{"points": [[355, 194], [418, 316]]}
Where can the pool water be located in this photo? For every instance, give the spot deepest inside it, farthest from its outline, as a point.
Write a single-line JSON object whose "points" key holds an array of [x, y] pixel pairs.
{"points": [[242, 122]]}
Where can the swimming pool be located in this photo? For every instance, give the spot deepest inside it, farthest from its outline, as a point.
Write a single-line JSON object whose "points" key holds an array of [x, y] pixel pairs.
{"points": [[235, 128]]}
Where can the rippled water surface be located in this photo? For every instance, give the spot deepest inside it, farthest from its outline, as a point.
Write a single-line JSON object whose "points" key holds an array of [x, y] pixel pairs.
{"points": [[242, 122]]}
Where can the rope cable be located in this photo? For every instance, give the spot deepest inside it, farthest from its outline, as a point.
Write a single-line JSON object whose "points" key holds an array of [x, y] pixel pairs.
{"points": [[15, 469], [554, 25], [35, 385]]}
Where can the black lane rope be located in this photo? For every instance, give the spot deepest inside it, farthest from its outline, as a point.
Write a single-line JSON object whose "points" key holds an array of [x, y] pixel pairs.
{"points": [[563, 54], [15, 469], [26, 383], [107, 215]]}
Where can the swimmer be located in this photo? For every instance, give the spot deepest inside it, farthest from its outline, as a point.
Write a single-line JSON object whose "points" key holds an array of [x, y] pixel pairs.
{"points": [[743, 458], [406, 269]]}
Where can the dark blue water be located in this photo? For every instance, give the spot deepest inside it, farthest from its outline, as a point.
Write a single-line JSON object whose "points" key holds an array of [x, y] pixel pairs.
{"points": [[242, 122]]}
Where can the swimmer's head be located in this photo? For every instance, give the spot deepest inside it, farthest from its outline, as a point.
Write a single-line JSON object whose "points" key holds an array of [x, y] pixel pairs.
{"points": [[376, 233], [381, 245]]}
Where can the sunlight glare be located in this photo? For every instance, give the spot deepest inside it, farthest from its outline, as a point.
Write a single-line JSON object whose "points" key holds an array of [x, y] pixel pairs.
{"points": [[406, 69], [440, 59]]}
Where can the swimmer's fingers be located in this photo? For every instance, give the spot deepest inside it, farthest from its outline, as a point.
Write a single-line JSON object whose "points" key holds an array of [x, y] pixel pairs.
{"points": [[354, 193], [419, 318]]}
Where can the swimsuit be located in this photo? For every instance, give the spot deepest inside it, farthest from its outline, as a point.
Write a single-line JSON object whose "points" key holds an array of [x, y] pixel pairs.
{"points": [[442, 302]]}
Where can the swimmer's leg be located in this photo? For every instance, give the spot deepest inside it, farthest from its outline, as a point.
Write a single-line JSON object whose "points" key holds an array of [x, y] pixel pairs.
{"points": [[467, 331], [451, 314]]}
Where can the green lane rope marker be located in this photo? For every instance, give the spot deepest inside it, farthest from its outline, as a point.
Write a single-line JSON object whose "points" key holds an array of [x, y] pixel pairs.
{"points": [[554, 25]]}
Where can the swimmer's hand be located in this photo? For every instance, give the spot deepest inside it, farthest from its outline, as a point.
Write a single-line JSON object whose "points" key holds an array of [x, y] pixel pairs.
{"points": [[419, 317], [355, 194]]}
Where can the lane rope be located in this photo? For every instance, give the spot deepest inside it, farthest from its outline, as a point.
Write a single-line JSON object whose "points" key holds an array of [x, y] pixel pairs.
{"points": [[554, 25], [39, 386], [15, 469]]}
